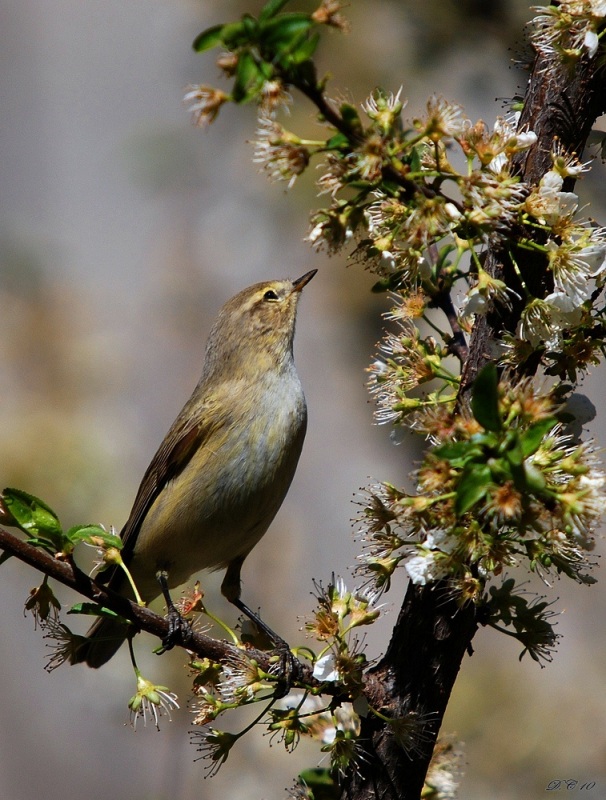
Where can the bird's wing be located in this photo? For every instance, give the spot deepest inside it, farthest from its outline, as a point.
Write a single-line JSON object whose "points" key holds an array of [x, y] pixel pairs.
{"points": [[188, 433]]}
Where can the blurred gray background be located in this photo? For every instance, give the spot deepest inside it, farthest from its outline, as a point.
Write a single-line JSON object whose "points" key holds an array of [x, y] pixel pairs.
{"points": [[123, 230]]}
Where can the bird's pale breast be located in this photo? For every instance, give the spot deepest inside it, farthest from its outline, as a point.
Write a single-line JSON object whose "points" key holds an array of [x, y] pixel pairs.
{"points": [[226, 497]]}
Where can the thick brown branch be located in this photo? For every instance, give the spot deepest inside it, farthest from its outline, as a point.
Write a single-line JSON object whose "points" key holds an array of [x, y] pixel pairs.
{"points": [[415, 677], [561, 103]]}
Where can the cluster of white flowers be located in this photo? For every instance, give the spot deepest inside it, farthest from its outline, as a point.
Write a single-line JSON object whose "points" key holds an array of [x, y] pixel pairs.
{"points": [[575, 472], [473, 507], [204, 103], [442, 120], [281, 154], [575, 251], [430, 564], [486, 291], [570, 28], [384, 109], [403, 226], [151, 702]]}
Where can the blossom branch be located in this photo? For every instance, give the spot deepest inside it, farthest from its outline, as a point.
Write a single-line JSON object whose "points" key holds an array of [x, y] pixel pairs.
{"points": [[315, 93], [433, 631], [560, 104]]}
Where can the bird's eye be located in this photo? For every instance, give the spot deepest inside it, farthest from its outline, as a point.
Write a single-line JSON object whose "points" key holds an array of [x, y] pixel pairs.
{"points": [[270, 295]]}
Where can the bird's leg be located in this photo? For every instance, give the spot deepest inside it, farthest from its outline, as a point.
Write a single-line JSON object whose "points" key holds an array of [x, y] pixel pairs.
{"points": [[179, 629], [290, 668]]}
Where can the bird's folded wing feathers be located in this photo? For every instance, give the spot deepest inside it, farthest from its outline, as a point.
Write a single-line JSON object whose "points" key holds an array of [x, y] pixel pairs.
{"points": [[187, 435]]}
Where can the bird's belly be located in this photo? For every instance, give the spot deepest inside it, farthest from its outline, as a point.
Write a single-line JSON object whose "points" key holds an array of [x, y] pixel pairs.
{"points": [[222, 502]]}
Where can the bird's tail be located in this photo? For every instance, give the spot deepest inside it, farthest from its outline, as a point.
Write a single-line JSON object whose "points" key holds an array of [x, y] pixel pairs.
{"points": [[104, 639]]}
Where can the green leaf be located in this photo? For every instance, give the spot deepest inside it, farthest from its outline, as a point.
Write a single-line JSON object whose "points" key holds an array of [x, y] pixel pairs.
{"points": [[251, 26], [305, 50], [535, 434], [234, 35], [486, 440], [337, 142], [485, 399], [249, 79], [459, 453], [87, 533], [535, 480], [50, 545], [502, 470], [512, 449], [443, 254], [322, 783], [472, 487], [306, 74], [211, 37], [32, 515], [415, 161], [93, 609], [351, 118], [270, 9], [518, 475], [282, 30], [451, 450]]}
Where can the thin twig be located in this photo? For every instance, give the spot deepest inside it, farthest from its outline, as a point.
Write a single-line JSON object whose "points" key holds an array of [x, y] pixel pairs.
{"points": [[69, 575]]}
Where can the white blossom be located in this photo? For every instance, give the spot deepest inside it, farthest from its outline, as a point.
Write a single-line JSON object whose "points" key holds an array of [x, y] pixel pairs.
{"points": [[440, 540], [573, 267], [548, 203], [591, 42], [325, 668], [424, 569]]}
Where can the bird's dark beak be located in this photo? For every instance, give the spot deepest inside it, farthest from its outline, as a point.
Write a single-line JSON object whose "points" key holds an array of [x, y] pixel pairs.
{"points": [[303, 280]]}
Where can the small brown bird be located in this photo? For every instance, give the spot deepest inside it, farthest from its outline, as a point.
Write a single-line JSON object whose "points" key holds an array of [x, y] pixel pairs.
{"points": [[224, 467]]}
